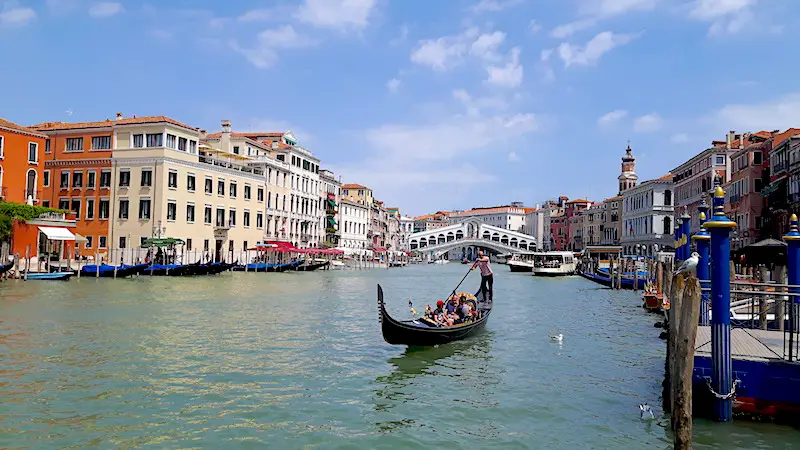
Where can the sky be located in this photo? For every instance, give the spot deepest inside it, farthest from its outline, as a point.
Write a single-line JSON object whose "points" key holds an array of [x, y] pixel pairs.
{"points": [[433, 104]]}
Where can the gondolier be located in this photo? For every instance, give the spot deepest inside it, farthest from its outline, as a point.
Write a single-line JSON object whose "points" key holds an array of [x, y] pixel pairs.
{"points": [[487, 276]]}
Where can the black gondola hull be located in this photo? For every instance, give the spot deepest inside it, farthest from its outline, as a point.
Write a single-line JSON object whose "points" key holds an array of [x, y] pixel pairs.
{"points": [[397, 332]]}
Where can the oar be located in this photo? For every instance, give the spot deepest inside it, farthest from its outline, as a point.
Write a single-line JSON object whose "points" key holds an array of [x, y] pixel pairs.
{"points": [[459, 284]]}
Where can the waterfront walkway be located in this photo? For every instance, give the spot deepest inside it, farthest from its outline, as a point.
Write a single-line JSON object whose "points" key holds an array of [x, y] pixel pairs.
{"points": [[748, 344]]}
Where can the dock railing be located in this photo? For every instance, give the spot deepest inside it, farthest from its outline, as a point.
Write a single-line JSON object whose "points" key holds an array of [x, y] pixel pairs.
{"points": [[770, 307]]}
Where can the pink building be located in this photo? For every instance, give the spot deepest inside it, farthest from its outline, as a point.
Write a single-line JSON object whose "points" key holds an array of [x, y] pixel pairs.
{"points": [[575, 222], [749, 175]]}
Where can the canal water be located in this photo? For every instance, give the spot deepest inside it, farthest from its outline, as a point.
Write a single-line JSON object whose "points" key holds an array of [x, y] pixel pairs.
{"points": [[297, 360]]}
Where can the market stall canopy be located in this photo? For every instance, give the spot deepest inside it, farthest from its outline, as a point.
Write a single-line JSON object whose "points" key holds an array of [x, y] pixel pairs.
{"points": [[57, 234], [161, 242]]}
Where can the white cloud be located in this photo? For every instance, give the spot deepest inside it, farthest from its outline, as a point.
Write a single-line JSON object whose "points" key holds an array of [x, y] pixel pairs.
{"points": [[534, 27], [648, 123], [509, 75], [339, 15], [544, 56], [612, 117], [778, 113], [265, 53], [726, 16], [679, 138], [16, 16], [475, 106], [512, 156], [393, 85], [257, 15], [568, 29], [105, 9], [486, 45], [447, 52], [493, 5], [402, 38], [609, 8], [590, 54]]}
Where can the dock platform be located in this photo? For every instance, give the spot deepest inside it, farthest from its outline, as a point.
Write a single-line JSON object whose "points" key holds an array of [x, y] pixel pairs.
{"points": [[748, 344]]}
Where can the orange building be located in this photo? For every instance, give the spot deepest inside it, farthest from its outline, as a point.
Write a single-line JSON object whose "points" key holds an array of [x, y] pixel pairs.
{"points": [[21, 174]]}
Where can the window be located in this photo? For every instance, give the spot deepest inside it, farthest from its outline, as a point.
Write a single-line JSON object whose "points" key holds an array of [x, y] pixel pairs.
{"points": [[144, 209], [260, 194], [757, 185], [76, 206], [124, 178], [102, 241], [63, 204], [172, 211], [246, 219], [172, 179], [88, 241], [124, 208], [209, 186], [220, 217], [235, 149], [101, 143], [123, 243], [230, 246], [64, 179], [193, 147], [188, 245], [33, 152], [171, 141], [105, 178], [181, 144], [190, 182], [77, 179], [138, 140], [233, 189], [142, 240], [155, 140], [89, 209], [757, 158], [221, 187], [2, 141], [104, 207], [720, 160], [244, 245], [46, 178], [247, 192], [74, 145], [46, 147], [147, 177], [232, 218], [190, 213], [207, 215], [667, 225], [667, 198], [91, 177], [205, 245], [259, 220]]}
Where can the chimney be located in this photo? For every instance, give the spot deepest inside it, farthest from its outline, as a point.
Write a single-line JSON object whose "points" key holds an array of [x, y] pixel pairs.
{"points": [[729, 139], [741, 140], [119, 115], [226, 126]]}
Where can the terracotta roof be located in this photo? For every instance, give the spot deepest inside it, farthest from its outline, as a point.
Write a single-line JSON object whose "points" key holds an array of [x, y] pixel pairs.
{"points": [[579, 200], [558, 214], [616, 197], [529, 210], [780, 138], [354, 186], [19, 128], [56, 126], [667, 177], [490, 210], [253, 135]]}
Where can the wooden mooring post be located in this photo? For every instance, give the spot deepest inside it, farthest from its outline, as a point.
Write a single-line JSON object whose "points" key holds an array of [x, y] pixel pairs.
{"points": [[682, 334]]}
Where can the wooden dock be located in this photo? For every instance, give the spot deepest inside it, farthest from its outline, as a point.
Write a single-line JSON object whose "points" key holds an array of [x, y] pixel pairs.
{"points": [[747, 344]]}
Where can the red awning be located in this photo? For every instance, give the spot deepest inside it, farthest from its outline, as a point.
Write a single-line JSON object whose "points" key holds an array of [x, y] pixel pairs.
{"points": [[379, 249], [283, 247]]}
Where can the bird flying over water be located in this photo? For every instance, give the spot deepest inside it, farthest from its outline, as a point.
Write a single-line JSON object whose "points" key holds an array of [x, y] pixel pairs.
{"points": [[645, 412], [690, 265]]}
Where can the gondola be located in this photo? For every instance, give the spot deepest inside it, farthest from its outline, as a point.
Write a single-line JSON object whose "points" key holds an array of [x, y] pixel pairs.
{"points": [[418, 334], [311, 266], [6, 267], [107, 271]]}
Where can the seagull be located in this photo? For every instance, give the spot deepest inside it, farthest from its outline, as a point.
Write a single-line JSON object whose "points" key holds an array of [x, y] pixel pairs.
{"points": [[557, 338], [645, 412], [690, 265]]}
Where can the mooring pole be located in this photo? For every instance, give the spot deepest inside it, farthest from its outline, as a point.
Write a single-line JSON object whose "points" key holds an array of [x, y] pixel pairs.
{"points": [[703, 241], [792, 239], [721, 366], [678, 247], [686, 232]]}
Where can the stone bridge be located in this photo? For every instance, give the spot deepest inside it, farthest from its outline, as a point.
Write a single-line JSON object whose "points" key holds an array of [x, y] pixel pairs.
{"points": [[472, 234]]}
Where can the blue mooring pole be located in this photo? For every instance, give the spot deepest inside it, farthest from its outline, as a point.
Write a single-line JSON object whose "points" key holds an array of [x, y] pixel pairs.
{"points": [[686, 233], [792, 239], [678, 249], [702, 240], [721, 366]]}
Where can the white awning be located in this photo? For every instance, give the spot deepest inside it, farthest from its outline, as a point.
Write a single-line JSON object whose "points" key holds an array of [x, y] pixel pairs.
{"points": [[79, 238], [57, 234]]}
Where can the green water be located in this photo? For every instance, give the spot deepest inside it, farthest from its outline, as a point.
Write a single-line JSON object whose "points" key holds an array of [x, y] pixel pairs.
{"points": [[297, 361]]}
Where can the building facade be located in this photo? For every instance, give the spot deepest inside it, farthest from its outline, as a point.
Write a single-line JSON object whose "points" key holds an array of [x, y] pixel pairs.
{"points": [[331, 193], [647, 217], [429, 222], [512, 217], [612, 225], [778, 193], [593, 222], [22, 173], [749, 175], [574, 223], [406, 230], [355, 220], [535, 225]]}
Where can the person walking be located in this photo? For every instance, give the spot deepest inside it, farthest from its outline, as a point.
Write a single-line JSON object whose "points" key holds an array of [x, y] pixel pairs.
{"points": [[487, 276]]}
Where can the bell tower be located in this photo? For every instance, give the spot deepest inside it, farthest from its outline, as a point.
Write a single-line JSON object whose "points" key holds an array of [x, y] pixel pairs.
{"points": [[628, 178]]}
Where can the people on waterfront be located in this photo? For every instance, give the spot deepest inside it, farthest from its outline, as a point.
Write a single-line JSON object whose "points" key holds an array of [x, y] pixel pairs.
{"points": [[487, 276]]}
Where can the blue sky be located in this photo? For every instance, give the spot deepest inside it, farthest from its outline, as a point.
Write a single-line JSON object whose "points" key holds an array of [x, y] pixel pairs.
{"points": [[435, 104]]}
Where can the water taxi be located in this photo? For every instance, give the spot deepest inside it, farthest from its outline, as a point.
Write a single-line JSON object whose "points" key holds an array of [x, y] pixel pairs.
{"points": [[554, 264], [520, 263]]}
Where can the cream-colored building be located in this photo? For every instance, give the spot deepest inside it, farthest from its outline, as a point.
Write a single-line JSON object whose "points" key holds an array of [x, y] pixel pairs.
{"points": [[354, 224], [164, 187]]}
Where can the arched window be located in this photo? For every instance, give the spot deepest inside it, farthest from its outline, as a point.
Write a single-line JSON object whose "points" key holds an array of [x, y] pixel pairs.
{"points": [[667, 198], [30, 185], [667, 224]]}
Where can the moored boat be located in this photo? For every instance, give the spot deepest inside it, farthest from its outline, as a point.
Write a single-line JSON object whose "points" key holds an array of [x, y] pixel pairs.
{"points": [[311, 265], [107, 271], [418, 333], [554, 264], [49, 276], [6, 267]]}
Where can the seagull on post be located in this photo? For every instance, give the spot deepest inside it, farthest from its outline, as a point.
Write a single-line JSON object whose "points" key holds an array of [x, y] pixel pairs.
{"points": [[690, 265]]}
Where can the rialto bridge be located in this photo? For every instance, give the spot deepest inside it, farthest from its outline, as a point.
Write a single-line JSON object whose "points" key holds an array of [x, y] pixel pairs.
{"points": [[470, 236]]}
